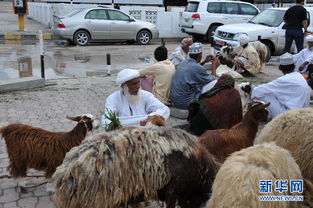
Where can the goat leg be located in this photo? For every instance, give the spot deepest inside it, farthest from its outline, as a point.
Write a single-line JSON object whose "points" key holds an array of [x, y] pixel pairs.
{"points": [[28, 176], [34, 186]]}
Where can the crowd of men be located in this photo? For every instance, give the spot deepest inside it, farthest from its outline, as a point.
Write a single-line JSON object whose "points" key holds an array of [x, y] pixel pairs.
{"points": [[181, 81]]}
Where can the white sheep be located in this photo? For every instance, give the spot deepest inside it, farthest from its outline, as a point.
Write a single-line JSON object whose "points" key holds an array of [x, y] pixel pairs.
{"points": [[237, 182], [293, 131]]}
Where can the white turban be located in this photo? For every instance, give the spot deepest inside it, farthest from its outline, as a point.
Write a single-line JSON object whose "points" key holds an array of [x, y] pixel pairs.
{"points": [[243, 39], [309, 38], [286, 59], [195, 48], [126, 75]]}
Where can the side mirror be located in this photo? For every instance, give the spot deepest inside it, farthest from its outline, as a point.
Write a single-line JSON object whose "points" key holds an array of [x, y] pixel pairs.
{"points": [[131, 20]]}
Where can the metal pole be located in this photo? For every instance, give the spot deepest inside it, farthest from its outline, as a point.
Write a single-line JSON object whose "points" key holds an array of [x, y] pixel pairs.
{"points": [[21, 22], [42, 61], [108, 64]]}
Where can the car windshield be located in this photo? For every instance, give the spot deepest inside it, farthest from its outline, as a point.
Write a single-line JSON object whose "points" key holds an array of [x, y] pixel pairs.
{"points": [[73, 13], [269, 17], [192, 7]]}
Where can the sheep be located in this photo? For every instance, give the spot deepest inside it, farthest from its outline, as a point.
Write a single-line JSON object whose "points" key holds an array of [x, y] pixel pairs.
{"points": [[292, 130], [237, 183], [31, 147], [126, 166], [222, 142]]}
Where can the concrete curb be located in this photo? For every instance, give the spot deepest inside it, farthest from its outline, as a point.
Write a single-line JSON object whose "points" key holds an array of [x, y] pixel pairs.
{"points": [[25, 36], [21, 84]]}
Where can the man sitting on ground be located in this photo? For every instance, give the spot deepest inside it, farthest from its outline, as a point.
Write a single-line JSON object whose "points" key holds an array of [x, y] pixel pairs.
{"points": [[304, 59], [131, 104], [286, 92], [162, 73], [181, 53], [190, 78], [246, 61]]}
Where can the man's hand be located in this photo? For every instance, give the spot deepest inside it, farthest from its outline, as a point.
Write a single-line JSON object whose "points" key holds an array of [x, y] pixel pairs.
{"points": [[232, 54], [207, 59], [302, 66]]}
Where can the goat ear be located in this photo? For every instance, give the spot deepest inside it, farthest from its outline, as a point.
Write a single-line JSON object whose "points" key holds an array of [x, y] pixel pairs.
{"points": [[73, 118]]}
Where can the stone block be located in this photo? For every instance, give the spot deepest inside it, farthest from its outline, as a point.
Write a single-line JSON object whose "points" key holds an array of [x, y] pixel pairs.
{"points": [[178, 113], [21, 84]]}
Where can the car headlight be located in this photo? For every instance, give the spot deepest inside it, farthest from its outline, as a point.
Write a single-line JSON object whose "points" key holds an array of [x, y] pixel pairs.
{"points": [[237, 35]]}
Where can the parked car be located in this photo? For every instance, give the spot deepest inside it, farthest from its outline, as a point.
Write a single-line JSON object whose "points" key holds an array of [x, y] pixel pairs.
{"points": [[266, 27], [95, 24], [202, 17]]}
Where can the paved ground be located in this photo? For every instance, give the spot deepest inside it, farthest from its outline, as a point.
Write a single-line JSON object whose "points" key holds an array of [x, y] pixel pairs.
{"points": [[47, 107]]}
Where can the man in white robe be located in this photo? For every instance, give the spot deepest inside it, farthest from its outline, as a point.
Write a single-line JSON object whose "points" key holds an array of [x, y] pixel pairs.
{"points": [[287, 92], [305, 57], [181, 53], [131, 104]]}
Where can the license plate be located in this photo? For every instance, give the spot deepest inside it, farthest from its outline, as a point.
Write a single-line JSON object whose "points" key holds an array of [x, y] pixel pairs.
{"points": [[186, 20], [218, 42]]}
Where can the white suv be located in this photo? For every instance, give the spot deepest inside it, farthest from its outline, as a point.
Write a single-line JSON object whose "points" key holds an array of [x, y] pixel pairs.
{"points": [[267, 26], [202, 17]]}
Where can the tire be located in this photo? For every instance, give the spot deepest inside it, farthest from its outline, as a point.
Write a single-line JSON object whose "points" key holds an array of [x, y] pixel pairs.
{"points": [[269, 53], [210, 33], [81, 37], [198, 38], [143, 37]]}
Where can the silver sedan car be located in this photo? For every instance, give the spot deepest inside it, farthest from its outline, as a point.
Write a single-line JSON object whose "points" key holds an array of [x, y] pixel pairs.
{"points": [[96, 24]]}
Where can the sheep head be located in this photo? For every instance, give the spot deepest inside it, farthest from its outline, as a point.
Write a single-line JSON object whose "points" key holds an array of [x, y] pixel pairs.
{"points": [[258, 110], [87, 119]]}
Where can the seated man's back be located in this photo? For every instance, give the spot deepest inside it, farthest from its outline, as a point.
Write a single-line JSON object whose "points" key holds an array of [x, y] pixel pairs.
{"points": [[189, 79], [287, 92]]}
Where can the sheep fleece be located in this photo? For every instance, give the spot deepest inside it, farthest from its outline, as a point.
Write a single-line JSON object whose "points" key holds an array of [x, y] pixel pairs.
{"points": [[293, 131], [237, 182], [111, 168]]}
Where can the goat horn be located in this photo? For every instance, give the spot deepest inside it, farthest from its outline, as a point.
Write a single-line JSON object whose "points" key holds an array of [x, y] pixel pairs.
{"points": [[1, 129]]}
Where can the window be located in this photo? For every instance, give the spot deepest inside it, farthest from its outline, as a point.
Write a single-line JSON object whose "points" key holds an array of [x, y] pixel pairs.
{"points": [[248, 10], [192, 7], [96, 14], [116, 15], [214, 7], [230, 8], [269, 17]]}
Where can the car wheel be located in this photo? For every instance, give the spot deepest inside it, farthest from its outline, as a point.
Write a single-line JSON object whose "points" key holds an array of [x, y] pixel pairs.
{"points": [[81, 37], [143, 37], [269, 53], [198, 38], [210, 33]]}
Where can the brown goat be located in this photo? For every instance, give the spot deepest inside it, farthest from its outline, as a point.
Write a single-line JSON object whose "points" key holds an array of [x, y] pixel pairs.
{"points": [[31, 147], [155, 120], [223, 142]]}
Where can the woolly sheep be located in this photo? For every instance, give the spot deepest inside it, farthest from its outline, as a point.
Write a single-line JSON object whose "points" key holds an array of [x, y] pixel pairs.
{"points": [[293, 131], [133, 164], [237, 182]]}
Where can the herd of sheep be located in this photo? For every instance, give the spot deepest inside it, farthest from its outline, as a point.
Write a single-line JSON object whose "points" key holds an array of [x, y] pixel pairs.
{"points": [[219, 169]]}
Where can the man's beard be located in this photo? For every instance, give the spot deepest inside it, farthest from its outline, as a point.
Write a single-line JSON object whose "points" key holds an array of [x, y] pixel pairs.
{"points": [[133, 99], [310, 48]]}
